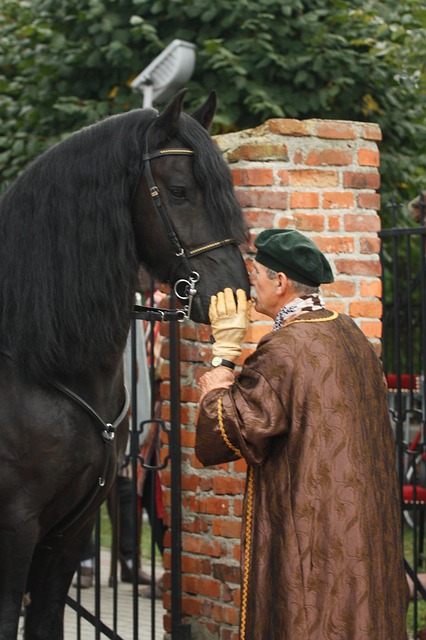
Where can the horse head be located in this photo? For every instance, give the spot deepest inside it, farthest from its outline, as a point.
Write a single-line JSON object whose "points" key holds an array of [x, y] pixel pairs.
{"points": [[187, 219]]}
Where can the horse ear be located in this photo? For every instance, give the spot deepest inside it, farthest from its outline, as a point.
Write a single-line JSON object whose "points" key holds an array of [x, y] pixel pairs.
{"points": [[167, 121], [205, 114]]}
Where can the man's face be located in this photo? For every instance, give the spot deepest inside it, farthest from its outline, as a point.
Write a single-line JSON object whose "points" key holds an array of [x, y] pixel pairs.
{"points": [[265, 291]]}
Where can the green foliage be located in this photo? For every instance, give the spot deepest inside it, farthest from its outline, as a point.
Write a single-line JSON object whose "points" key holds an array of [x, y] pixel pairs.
{"points": [[64, 64]]}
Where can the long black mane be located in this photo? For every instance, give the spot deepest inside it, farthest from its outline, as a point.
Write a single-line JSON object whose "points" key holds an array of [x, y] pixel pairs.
{"points": [[68, 260], [212, 173], [68, 264]]}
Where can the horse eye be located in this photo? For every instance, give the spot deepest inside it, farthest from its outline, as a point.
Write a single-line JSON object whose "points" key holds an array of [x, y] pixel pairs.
{"points": [[178, 192]]}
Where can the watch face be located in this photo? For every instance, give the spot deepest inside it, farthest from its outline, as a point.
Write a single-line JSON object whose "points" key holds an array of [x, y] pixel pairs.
{"points": [[216, 361]]}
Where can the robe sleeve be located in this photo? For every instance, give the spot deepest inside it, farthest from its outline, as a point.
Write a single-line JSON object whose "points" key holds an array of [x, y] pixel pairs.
{"points": [[240, 421]]}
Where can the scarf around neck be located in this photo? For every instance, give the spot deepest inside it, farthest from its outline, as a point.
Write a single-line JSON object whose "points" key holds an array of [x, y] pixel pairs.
{"points": [[313, 302]]}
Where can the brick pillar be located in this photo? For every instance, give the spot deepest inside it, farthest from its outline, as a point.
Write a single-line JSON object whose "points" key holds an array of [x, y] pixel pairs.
{"points": [[319, 177]]}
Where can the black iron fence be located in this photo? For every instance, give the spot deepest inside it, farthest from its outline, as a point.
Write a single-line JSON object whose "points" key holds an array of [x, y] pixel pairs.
{"points": [[404, 359], [118, 591]]}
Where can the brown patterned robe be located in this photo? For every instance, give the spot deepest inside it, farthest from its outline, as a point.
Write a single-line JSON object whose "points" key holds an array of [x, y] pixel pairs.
{"points": [[321, 544]]}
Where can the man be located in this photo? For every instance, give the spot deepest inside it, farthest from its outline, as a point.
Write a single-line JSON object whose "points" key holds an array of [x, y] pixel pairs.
{"points": [[322, 551]]}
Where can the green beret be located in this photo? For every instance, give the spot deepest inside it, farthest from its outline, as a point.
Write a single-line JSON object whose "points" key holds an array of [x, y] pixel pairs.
{"points": [[294, 254]]}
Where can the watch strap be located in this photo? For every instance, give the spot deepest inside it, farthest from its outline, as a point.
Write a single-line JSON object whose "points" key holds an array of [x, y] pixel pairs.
{"points": [[225, 363]]}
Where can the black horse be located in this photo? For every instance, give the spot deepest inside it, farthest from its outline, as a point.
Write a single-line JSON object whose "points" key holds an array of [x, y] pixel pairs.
{"points": [[74, 228]]}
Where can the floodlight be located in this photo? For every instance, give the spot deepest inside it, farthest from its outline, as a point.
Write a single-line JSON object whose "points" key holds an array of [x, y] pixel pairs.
{"points": [[167, 73]]}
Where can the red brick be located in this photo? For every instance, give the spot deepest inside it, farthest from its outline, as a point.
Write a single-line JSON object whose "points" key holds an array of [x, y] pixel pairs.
{"points": [[365, 309], [190, 483], [298, 157], [335, 244], [201, 586], [265, 199], [371, 132], [334, 222], [229, 615], [339, 289], [304, 200], [258, 151], [240, 466], [329, 157], [313, 178], [214, 506], [288, 127], [226, 528], [259, 218], [358, 267], [364, 180], [371, 288], [255, 176], [284, 222], [206, 484], [193, 352], [369, 245], [238, 507], [368, 158], [191, 564], [223, 485], [190, 606], [369, 201], [338, 200], [371, 329], [226, 573], [336, 130], [309, 221], [187, 438], [336, 305], [202, 545], [362, 222], [283, 177]]}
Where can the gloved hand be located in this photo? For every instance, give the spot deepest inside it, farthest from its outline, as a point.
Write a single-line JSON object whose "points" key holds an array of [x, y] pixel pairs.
{"points": [[229, 323]]}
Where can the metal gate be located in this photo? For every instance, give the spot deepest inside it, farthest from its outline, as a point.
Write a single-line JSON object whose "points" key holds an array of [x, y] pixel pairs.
{"points": [[404, 360], [116, 605]]}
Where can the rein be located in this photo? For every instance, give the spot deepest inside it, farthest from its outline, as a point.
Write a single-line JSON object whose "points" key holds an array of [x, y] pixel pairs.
{"points": [[107, 428], [189, 285]]}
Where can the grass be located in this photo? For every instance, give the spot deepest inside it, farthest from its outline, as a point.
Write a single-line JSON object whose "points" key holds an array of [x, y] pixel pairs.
{"points": [[106, 535]]}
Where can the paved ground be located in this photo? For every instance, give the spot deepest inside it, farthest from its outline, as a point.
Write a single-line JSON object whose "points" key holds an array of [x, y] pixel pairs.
{"points": [[147, 626]]}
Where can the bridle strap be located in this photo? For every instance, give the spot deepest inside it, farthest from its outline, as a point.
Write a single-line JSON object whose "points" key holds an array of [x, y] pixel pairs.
{"points": [[209, 247], [167, 223], [193, 277], [155, 195]]}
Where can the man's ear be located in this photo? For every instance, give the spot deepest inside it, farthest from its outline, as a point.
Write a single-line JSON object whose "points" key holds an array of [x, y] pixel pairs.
{"points": [[281, 282]]}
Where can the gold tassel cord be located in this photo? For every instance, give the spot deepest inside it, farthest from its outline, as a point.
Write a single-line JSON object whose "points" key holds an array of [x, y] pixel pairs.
{"points": [[327, 319], [249, 516], [247, 553], [222, 429]]}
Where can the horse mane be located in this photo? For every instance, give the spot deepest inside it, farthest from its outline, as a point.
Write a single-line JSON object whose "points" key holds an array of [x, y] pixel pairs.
{"points": [[210, 170], [68, 262]]}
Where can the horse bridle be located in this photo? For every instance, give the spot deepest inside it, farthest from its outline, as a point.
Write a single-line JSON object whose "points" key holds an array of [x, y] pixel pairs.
{"points": [[189, 285]]}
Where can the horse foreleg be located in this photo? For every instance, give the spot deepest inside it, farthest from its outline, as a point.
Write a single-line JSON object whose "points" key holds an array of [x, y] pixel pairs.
{"points": [[16, 549], [50, 577]]}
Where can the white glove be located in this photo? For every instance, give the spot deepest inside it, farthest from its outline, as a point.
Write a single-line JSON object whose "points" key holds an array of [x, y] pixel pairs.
{"points": [[229, 323]]}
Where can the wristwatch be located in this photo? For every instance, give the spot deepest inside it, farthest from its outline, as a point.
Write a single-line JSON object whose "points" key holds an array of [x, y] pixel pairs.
{"points": [[217, 361]]}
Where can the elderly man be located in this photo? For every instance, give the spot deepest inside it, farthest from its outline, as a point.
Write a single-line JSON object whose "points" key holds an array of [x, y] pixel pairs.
{"points": [[322, 551]]}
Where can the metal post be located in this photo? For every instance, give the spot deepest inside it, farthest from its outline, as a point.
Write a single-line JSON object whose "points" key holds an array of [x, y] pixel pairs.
{"points": [[179, 631]]}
